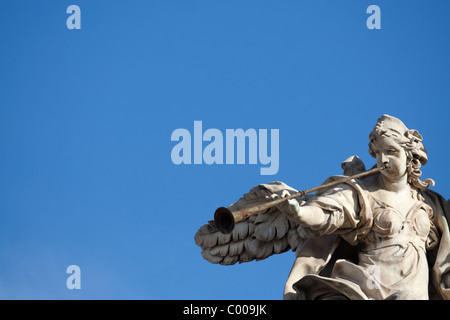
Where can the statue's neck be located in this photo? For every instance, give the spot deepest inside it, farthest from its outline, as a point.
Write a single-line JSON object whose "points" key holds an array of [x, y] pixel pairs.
{"points": [[394, 186]]}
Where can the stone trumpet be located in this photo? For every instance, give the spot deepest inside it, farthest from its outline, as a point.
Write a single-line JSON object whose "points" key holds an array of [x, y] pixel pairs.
{"points": [[225, 220]]}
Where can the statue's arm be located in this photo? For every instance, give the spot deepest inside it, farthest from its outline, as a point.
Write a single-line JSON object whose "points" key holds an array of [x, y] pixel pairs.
{"points": [[308, 216], [337, 210]]}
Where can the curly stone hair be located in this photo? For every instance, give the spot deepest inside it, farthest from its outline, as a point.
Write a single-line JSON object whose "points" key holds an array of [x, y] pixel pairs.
{"points": [[410, 140]]}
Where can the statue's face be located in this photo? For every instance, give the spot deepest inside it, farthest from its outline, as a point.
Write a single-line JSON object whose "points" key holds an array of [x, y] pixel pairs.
{"points": [[391, 156]]}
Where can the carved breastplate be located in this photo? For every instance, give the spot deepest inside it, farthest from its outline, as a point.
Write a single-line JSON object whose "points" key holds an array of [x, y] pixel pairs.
{"points": [[391, 227]]}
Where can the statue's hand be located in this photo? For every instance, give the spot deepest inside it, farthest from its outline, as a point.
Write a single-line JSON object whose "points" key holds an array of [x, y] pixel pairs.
{"points": [[291, 207]]}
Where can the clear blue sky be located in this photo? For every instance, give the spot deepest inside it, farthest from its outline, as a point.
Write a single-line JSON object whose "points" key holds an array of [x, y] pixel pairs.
{"points": [[86, 118]]}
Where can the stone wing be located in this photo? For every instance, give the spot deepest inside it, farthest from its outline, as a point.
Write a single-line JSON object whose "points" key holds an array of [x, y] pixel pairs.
{"points": [[256, 238]]}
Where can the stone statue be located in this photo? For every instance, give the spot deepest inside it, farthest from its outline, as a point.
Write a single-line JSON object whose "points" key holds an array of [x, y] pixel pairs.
{"points": [[385, 236]]}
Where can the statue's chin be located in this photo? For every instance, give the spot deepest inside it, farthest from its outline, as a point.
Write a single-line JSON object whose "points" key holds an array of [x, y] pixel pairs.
{"points": [[392, 175]]}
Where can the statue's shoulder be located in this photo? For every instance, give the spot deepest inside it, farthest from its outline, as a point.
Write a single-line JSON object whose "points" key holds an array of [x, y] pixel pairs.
{"points": [[369, 184], [354, 165]]}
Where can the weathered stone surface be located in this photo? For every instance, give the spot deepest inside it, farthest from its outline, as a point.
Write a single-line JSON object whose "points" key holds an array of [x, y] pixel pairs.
{"points": [[385, 236]]}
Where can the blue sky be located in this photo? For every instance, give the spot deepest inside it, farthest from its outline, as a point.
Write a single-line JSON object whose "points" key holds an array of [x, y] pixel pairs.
{"points": [[86, 118]]}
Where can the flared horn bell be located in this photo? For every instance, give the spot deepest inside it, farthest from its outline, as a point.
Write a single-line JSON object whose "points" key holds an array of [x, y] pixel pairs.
{"points": [[224, 220]]}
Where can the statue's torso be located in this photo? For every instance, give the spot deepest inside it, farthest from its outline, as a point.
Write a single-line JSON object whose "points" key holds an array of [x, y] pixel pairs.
{"points": [[393, 255]]}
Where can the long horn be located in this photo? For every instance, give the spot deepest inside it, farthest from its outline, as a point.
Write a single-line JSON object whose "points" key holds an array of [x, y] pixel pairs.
{"points": [[225, 220]]}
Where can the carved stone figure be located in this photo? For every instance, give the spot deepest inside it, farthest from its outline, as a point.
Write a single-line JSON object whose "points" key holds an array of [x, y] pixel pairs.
{"points": [[385, 236]]}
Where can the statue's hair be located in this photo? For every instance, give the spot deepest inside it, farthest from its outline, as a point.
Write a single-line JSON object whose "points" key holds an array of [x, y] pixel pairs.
{"points": [[410, 140]]}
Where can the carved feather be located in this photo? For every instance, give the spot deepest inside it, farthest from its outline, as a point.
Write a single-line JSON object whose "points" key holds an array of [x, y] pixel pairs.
{"points": [[271, 225], [255, 238]]}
